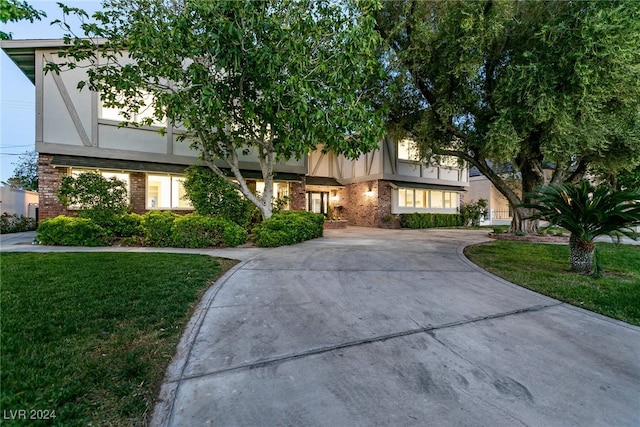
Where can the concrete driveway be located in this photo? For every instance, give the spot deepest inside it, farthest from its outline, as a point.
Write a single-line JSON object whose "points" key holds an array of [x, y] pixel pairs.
{"points": [[369, 327]]}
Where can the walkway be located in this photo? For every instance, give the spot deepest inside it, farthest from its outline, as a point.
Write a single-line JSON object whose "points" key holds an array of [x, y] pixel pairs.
{"points": [[369, 327]]}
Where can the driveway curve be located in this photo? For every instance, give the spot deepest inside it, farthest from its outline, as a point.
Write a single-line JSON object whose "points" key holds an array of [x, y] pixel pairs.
{"points": [[368, 327]]}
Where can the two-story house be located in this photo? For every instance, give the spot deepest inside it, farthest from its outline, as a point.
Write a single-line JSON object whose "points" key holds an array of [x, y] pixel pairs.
{"points": [[75, 133]]}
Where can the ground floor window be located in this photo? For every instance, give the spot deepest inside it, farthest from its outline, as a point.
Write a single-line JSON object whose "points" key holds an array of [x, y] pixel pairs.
{"points": [[166, 192], [121, 176], [433, 199], [281, 192]]}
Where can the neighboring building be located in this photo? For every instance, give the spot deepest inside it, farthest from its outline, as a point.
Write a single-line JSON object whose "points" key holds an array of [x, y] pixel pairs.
{"points": [[74, 133], [19, 202], [498, 210]]}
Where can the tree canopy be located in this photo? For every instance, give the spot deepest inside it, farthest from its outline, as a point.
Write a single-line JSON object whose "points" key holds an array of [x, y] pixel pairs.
{"points": [[25, 174], [14, 11], [528, 84], [276, 78]]}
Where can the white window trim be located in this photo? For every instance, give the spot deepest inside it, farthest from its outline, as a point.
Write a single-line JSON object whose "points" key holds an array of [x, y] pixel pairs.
{"points": [[163, 208]]}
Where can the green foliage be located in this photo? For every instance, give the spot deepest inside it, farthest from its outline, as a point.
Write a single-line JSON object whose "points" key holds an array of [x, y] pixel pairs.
{"points": [[587, 211], [526, 83], [90, 335], [474, 212], [616, 294], [25, 174], [430, 220], [12, 223], [158, 228], [94, 196], [14, 11], [196, 231], [214, 195], [126, 225], [72, 231], [289, 74], [288, 227]]}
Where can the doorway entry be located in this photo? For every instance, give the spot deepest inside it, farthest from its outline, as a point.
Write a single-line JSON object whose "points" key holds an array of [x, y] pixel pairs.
{"points": [[318, 201]]}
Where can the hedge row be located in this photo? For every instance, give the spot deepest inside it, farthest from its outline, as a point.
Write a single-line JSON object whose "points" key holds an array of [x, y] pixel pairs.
{"points": [[431, 220], [152, 229], [13, 223], [288, 227]]}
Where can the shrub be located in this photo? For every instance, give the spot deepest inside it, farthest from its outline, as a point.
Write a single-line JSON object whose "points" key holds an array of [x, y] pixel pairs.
{"points": [[288, 227], [474, 212], [212, 195], [431, 220], [197, 231], [72, 231], [12, 223], [94, 195], [158, 228], [117, 225], [127, 225]]}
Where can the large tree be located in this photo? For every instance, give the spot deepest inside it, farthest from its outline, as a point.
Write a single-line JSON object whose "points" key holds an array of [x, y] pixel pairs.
{"points": [[526, 84], [276, 78]]}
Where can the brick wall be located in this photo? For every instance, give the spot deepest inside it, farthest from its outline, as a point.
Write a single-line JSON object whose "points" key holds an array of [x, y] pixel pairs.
{"points": [[298, 198], [362, 210], [49, 179], [137, 191], [369, 211]]}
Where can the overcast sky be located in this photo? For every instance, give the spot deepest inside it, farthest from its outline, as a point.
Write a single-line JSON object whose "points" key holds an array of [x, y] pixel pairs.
{"points": [[17, 93]]}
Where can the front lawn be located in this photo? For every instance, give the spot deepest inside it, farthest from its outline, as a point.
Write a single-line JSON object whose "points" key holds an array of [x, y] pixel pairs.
{"points": [[545, 269], [88, 336]]}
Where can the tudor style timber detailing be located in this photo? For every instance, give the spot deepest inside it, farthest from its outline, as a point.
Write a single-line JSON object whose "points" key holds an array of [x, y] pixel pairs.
{"points": [[74, 133]]}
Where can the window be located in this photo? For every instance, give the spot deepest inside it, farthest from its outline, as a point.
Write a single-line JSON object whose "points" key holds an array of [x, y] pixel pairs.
{"points": [[435, 199], [420, 198], [146, 111], [124, 177], [166, 192], [408, 150], [280, 191]]}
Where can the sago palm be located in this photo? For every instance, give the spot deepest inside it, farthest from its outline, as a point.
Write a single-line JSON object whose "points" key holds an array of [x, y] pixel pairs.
{"points": [[587, 212]]}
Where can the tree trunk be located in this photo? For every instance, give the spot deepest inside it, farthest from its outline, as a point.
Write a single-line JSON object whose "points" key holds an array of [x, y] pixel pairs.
{"points": [[519, 223], [581, 254]]}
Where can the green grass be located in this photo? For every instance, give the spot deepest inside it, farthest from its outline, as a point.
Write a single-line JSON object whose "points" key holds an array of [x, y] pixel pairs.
{"points": [[545, 269], [89, 335]]}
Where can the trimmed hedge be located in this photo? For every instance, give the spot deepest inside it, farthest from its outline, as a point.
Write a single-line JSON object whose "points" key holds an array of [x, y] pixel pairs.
{"points": [[288, 227], [431, 220], [72, 231], [196, 231], [158, 228]]}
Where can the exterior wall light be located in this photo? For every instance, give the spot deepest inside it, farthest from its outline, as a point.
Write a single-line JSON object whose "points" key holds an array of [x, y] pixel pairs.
{"points": [[369, 193]]}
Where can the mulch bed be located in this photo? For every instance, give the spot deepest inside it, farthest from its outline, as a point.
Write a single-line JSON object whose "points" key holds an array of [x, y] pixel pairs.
{"points": [[530, 238]]}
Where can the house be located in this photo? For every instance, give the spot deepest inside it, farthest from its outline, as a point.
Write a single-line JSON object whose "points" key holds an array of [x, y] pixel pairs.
{"points": [[499, 212], [18, 202], [75, 133]]}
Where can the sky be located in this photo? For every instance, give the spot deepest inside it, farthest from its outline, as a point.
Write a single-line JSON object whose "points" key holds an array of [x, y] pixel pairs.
{"points": [[17, 93]]}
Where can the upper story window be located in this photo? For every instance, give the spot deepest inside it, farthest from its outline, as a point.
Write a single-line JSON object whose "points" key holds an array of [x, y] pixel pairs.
{"points": [[146, 112], [408, 150]]}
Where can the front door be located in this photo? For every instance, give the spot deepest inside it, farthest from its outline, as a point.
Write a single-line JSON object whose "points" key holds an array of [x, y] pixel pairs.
{"points": [[317, 201]]}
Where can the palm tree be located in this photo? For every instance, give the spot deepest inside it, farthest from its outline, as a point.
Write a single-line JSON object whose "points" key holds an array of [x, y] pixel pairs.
{"points": [[587, 212]]}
